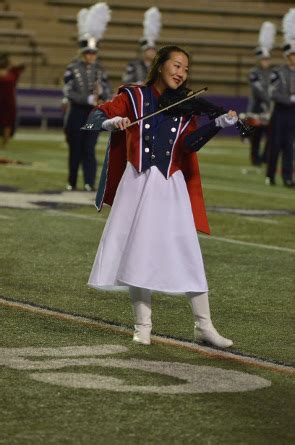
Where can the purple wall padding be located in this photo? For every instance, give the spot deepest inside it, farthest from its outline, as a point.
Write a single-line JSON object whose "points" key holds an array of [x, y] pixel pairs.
{"points": [[237, 103], [46, 92]]}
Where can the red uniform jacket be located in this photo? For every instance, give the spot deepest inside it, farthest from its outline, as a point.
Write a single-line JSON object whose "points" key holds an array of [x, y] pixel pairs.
{"points": [[130, 146]]}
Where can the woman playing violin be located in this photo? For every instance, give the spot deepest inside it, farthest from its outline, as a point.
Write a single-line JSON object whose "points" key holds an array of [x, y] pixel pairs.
{"points": [[151, 178]]}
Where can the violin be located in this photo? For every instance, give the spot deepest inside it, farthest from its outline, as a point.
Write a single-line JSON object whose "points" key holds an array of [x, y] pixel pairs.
{"points": [[196, 106]]}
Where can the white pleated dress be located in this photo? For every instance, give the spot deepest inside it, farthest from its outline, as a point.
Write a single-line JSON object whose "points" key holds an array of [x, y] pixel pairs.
{"points": [[150, 240]]}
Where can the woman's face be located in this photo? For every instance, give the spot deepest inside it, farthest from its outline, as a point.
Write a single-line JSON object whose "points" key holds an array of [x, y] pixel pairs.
{"points": [[174, 71]]}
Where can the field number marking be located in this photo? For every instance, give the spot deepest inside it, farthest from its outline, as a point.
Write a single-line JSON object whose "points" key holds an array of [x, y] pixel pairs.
{"points": [[192, 378]]}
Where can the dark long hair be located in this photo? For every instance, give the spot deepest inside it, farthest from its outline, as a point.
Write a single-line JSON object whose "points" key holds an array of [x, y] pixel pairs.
{"points": [[163, 54]]}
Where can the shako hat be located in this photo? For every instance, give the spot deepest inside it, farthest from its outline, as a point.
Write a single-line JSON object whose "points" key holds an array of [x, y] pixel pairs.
{"points": [[266, 40], [92, 24], [288, 26], [152, 24]]}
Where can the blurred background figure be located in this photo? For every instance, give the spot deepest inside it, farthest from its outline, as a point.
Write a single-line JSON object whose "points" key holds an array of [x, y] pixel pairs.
{"points": [[259, 102], [85, 86], [136, 70], [282, 136], [9, 76]]}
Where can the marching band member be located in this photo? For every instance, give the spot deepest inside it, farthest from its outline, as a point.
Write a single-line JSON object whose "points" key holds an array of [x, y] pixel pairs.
{"points": [[137, 70], [282, 136], [151, 178], [85, 85], [260, 103], [9, 76]]}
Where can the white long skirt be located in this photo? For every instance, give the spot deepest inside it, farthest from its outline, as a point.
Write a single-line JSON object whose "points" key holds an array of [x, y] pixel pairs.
{"points": [[150, 240]]}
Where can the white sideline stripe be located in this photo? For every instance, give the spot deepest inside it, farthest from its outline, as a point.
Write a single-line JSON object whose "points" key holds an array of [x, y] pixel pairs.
{"points": [[247, 191], [203, 350], [247, 243]]}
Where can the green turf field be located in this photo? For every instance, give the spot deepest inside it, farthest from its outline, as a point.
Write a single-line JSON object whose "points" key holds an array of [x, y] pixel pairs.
{"points": [[46, 255]]}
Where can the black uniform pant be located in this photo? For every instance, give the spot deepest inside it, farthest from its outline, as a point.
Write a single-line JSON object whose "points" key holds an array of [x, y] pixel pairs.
{"points": [[282, 139], [81, 145], [259, 133]]}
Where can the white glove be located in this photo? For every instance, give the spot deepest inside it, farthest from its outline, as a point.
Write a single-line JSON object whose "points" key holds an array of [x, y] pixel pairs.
{"points": [[90, 99], [112, 124], [292, 98], [225, 121]]}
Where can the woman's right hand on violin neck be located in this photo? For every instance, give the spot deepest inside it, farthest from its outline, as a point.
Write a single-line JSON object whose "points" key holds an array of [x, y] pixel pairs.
{"points": [[116, 123]]}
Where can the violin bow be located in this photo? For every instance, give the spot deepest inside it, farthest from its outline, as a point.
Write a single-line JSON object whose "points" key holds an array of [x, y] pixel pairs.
{"points": [[147, 116]]}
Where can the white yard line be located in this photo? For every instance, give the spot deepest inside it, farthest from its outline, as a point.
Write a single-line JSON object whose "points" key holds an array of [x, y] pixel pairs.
{"points": [[247, 191], [246, 243], [262, 220], [156, 339]]}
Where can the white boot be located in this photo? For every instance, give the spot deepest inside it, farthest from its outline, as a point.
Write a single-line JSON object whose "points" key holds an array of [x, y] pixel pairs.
{"points": [[142, 310], [204, 329]]}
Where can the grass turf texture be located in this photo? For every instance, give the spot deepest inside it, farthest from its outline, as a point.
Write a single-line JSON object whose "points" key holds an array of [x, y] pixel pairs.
{"points": [[46, 258], [35, 412]]}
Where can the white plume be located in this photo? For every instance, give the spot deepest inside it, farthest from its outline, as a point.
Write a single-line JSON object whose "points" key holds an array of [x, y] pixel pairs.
{"points": [[97, 19], [81, 22], [267, 35], [152, 24], [289, 25]]}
